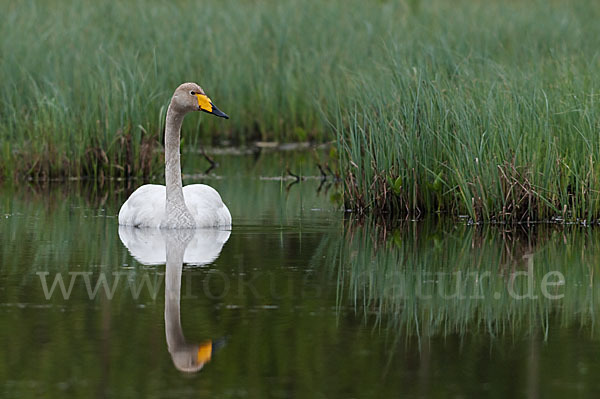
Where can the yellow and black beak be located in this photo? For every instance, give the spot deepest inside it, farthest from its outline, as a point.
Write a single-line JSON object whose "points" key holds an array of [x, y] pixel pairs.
{"points": [[204, 104], [207, 349], [204, 353]]}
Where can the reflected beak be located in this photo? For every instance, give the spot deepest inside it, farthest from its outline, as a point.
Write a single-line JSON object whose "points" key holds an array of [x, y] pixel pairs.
{"points": [[206, 105], [204, 352]]}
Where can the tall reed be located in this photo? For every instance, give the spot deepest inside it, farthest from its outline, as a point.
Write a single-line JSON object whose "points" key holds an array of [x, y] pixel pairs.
{"points": [[485, 110], [86, 84]]}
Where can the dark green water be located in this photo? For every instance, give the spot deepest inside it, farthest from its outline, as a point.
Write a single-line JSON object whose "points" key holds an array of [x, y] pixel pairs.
{"points": [[296, 302]]}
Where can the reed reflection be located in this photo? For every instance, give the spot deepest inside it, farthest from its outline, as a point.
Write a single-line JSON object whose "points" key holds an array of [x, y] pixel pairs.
{"points": [[174, 248]]}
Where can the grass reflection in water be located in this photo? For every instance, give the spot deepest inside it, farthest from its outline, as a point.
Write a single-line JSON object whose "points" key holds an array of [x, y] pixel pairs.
{"points": [[432, 279]]}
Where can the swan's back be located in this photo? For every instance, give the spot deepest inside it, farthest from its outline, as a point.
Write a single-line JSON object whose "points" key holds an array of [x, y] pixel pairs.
{"points": [[146, 206], [206, 206]]}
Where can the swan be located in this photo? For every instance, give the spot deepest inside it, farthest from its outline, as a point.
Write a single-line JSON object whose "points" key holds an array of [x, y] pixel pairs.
{"points": [[174, 206], [174, 248], [149, 246]]}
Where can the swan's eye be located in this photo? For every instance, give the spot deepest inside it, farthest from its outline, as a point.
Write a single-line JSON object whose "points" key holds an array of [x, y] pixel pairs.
{"points": [[193, 93]]}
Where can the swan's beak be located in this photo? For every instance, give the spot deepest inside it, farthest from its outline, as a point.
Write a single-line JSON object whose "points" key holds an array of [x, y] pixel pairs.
{"points": [[204, 104]]}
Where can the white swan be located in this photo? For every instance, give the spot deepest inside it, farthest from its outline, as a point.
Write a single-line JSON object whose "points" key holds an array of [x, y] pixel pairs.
{"points": [[176, 247], [149, 246], [175, 206]]}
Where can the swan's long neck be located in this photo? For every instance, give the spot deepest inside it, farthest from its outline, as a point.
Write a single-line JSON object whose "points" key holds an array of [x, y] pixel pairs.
{"points": [[177, 213]]}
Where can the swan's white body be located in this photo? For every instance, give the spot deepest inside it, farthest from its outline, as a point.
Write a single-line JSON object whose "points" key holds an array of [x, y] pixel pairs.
{"points": [[146, 207], [173, 206], [150, 246]]}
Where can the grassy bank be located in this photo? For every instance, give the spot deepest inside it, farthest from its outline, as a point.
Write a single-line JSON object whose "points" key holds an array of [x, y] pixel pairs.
{"points": [[484, 109], [489, 110]]}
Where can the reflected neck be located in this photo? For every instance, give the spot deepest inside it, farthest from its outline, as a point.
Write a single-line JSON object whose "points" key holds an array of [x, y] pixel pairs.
{"points": [[177, 213], [175, 242], [174, 334]]}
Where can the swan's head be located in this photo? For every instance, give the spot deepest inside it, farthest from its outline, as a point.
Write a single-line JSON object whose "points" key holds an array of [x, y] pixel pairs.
{"points": [[190, 97], [192, 358]]}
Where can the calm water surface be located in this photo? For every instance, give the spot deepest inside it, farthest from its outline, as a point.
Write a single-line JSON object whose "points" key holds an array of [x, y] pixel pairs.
{"points": [[297, 301]]}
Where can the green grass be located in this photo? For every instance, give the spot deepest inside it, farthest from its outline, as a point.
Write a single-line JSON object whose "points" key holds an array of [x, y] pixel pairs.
{"points": [[488, 109], [85, 85]]}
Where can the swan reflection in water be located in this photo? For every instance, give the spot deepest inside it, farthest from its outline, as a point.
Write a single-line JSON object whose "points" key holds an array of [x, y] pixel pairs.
{"points": [[174, 248]]}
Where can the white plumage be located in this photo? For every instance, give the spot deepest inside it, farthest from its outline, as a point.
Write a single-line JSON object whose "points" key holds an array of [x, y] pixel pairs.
{"points": [[149, 246], [146, 207]]}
